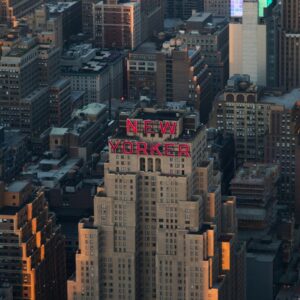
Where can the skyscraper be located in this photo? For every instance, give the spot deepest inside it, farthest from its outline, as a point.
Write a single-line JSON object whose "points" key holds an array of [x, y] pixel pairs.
{"points": [[157, 226], [289, 64], [23, 104], [247, 44], [32, 257]]}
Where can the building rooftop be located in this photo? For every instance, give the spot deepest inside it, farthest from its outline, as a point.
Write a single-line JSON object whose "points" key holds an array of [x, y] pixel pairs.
{"points": [[287, 100], [35, 95], [59, 131], [254, 174], [92, 109], [200, 17], [59, 7], [17, 186]]}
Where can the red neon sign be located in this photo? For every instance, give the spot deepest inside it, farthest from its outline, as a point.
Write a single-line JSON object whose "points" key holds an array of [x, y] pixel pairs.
{"points": [[165, 127], [143, 148]]}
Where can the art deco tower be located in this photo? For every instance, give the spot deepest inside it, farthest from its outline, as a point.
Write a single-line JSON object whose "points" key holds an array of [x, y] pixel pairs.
{"points": [[158, 219]]}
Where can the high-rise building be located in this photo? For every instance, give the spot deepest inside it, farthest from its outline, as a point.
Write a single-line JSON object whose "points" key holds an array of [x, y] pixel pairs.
{"points": [[182, 9], [172, 74], [10, 10], [289, 64], [182, 75], [60, 102], [98, 73], [117, 24], [255, 189], [248, 44], [32, 257], [282, 146], [152, 14], [87, 17], [157, 229], [141, 72], [23, 104], [211, 35], [14, 153], [218, 7], [240, 112]]}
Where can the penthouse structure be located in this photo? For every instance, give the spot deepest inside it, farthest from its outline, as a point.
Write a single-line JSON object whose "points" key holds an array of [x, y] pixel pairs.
{"points": [[157, 219], [32, 257]]}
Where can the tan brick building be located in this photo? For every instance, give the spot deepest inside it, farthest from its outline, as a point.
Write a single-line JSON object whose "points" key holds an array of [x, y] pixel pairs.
{"points": [[158, 218]]}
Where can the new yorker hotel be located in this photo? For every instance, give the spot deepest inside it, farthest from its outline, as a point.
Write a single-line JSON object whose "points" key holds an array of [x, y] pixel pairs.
{"points": [[154, 243]]}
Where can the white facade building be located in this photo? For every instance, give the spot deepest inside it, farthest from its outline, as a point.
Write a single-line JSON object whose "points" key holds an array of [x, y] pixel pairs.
{"points": [[248, 45]]}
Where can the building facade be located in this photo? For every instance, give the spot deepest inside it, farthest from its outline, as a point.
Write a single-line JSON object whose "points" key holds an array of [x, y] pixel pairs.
{"points": [[117, 24], [240, 112], [32, 247], [158, 217], [23, 104], [248, 45], [289, 64], [211, 35], [10, 11]]}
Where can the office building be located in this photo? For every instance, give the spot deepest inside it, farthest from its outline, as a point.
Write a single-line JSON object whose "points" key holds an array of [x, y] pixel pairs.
{"points": [[182, 9], [48, 67], [218, 7], [141, 72], [10, 11], [282, 145], [60, 102], [23, 104], [255, 189], [87, 17], [82, 134], [32, 256], [248, 45], [240, 112], [49, 29], [211, 35], [158, 217], [222, 148], [70, 14], [98, 73], [152, 16], [182, 75], [117, 24], [237, 9], [14, 153], [158, 75], [289, 64]]}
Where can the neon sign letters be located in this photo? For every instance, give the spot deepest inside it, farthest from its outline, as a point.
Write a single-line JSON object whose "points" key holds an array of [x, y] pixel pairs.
{"points": [[164, 127], [144, 148]]}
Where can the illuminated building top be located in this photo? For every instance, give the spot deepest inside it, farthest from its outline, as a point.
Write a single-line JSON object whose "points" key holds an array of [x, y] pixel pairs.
{"points": [[236, 7]]}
